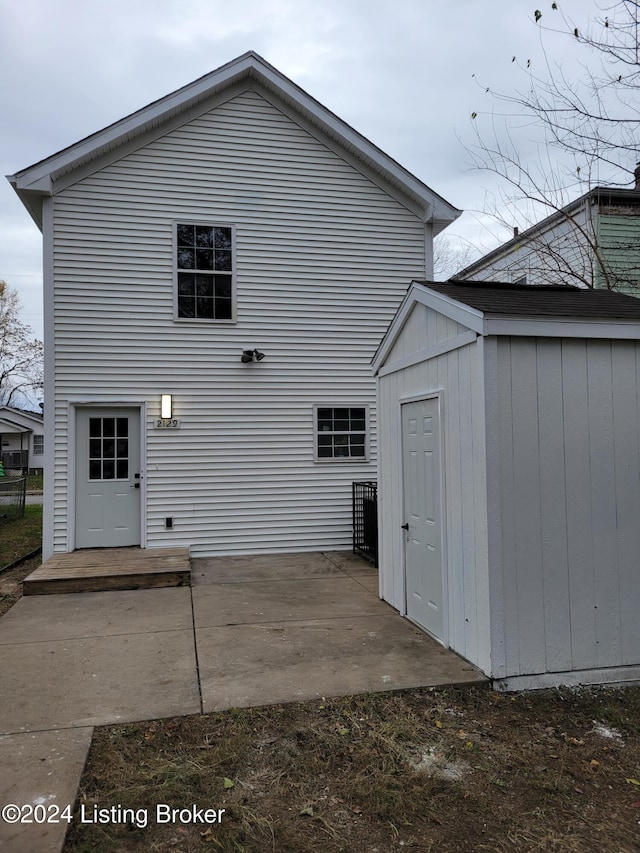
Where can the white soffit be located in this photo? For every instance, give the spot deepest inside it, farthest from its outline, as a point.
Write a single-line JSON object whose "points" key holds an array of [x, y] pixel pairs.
{"points": [[37, 180]]}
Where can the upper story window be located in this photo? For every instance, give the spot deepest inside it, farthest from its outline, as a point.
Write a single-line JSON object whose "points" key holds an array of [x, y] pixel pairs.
{"points": [[341, 434], [204, 268]]}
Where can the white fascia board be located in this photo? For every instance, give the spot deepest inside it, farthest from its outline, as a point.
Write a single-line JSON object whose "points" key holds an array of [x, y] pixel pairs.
{"points": [[133, 124], [395, 327], [463, 314], [19, 417], [248, 65], [7, 427], [562, 327]]}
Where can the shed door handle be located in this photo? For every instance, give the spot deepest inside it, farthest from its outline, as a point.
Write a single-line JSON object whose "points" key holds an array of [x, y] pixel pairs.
{"points": [[405, 526]]}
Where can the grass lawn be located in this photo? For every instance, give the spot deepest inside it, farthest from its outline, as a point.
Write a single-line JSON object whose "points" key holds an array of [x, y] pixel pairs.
{"points": [[446, 771], [18, 538], [34, 482], [21, 536]]}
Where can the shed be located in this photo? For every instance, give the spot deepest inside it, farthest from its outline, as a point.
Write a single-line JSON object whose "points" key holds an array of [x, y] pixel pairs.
{"points": [[509, 451]]}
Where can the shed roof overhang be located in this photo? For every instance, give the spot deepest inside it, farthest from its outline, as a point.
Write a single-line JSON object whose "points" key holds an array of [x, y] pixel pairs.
{"points": [[36, 182], [485, 323]]}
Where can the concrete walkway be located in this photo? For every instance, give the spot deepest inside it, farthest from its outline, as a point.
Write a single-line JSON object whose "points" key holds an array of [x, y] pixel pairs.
{"points": [[250, 631]]}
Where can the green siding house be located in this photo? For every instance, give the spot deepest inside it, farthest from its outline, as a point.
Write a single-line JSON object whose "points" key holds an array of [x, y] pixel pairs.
{"points": [[592, 242]]}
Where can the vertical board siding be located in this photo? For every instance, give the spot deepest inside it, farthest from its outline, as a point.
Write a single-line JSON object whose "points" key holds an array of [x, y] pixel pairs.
{"points": [[580, 562], [626, 441], [458, 375], [542, 547], [553, 493], [323, 259], [603, 506], [570, 496], [618, 237]]}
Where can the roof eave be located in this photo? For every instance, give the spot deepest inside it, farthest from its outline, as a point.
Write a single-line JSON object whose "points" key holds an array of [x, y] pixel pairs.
{"points": [[35, 182]]}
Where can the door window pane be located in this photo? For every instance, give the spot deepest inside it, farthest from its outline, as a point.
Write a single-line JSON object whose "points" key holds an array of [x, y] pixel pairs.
{"points": [[108, 456]]}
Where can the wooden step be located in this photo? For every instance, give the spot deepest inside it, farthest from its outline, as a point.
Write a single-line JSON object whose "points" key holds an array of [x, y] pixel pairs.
{"points": [[101, 569]]}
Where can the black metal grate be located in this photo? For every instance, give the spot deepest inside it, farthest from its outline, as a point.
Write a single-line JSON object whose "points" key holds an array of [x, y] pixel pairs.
{"points": [[365, 520]]}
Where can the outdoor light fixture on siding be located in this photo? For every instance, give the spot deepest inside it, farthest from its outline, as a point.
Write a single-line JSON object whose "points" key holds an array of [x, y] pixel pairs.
{"points": [[251, 355], [166, 406]]}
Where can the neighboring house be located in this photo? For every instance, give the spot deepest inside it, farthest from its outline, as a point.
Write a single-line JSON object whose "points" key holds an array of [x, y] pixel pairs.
{"points": [[22, 439], [233, 219], [592, 242], [508, 425]]}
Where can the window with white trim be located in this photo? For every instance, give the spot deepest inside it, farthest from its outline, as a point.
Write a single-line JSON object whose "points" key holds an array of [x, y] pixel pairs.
{"points": [[38, 445], [204, 271], [341, 433]]}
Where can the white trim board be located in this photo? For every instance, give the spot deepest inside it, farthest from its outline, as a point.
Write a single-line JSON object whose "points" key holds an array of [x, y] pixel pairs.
{"points": [[36, 180]]}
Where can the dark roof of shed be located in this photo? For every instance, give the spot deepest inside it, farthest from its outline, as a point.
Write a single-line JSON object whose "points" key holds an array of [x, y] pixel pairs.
{"points": [[493, 297]]}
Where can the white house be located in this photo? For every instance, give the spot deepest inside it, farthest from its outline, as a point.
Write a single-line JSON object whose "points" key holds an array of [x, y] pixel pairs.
{"points": [[238, 248], [594, 241], [22, 439], [509, 487]]}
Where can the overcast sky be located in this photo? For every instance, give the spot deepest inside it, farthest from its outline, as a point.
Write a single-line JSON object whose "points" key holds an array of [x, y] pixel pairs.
{"points": [[400, 73]]}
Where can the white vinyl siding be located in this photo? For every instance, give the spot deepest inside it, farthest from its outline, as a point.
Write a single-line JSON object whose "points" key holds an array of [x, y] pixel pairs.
{"points": [[558, 254], [323, 258]]}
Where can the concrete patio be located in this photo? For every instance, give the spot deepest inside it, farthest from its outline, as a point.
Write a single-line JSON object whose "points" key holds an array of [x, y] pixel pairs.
{"points": [[249, 631]]}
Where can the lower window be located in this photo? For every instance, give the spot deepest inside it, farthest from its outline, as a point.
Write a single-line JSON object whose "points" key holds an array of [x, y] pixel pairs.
{"points": [[341, 433]]}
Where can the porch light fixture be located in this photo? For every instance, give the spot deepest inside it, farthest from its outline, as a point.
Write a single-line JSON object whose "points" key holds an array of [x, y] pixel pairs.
{"points": [[251, 355], [166, 406]]}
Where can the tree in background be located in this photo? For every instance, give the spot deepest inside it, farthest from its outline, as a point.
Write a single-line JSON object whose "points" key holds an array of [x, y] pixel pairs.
{"points": [[21, 362], [449, 256], [590, 126]]}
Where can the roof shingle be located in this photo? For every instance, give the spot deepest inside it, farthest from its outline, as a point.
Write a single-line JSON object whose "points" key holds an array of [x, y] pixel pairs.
{"points": [[493, 297]]}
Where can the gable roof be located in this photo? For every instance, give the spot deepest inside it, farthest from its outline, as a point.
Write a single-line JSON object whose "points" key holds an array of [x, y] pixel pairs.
{"points": [[500, 308], [37, 181], [594, 196], [8, 426], [15, 415]]}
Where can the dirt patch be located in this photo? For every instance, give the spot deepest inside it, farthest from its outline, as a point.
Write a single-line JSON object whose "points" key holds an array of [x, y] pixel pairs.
{"points": [[11, 582], [426, 770]]}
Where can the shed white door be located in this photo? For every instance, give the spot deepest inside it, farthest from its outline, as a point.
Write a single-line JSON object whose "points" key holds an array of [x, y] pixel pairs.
{"points": [[423, 515], [107, 478]]}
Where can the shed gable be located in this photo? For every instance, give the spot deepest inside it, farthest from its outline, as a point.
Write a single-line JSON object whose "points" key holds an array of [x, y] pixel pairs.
{"points": [[423, 328]]}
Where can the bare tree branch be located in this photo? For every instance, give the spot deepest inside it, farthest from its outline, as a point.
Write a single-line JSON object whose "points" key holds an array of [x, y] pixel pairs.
{"points": [[590, 137], [20, 354]]}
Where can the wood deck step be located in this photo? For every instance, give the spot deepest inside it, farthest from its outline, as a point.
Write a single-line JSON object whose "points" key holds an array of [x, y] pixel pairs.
{"points": [[100, 569]]}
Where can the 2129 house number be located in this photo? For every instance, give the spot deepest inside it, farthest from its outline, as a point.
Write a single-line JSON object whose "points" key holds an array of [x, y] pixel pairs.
{"points": [[166, 423]]}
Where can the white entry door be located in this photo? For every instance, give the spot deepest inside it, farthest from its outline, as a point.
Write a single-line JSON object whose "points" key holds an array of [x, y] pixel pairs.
{"points": [[423, 515], [107, 477]]}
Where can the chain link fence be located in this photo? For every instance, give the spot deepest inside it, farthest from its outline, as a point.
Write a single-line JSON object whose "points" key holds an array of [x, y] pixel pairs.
{"points": [[13, 492]]}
